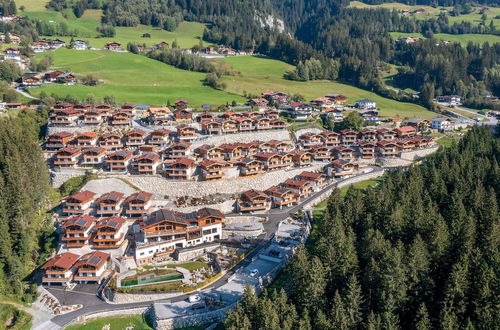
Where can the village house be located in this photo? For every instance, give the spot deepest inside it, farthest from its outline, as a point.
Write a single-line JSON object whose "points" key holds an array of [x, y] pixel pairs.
{"points": [[211, 170], [31, 79], [309, 140], [181, 105], [272, 160], [66, 157], [159, 115], [106, 108], [337, 98], [301, 158], [205, 116], [12, 54], [342, 168], [277, 124], [110, 141], [86, 139], [91, 267], [163, 231], [348, 137], [113, 46], [77, 231], [365, 104], [300, 187], [186, 133], [343, 153], [138, 204], [64, 117], [367, 149], [405, 131], [370, 116], [93, 117], [135, 138], [119, 161], [278, 146], [110, 233], [271, 114], [405, 144], [442, 124], [367, 134], [262, 123], [253, 200], [421, 125], [323, 102], [181, 168], [14, 38], [330, 139], [110, 204], [211, 127], [249, 166], [148, 163], [182, 114], [159, 137], [387, 148], [232, 151], [177, 150], [229, 126], [209, 152], [450, 99], [386, 134], [58, 141], [120, 118], [79, 45], [316, 180], [79, 203], [93, 156], [282, 197], [259, 103], [300, 111], [60, 269], [244, 124], [321, 153]]}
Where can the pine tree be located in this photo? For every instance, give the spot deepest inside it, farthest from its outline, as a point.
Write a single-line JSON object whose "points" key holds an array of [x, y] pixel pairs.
{"points": [[422, 321]]}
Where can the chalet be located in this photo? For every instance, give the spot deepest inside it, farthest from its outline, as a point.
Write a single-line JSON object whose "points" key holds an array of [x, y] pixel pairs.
{"points": [[211, 170], [367, 149], [309, 140], [229, 126], [211, 127], [161, 45], [204, 116], [316, 180], [244, 124], [281, 196], [86, 139], [148, 163], [249, 149], [77, 231], [63, 106], [299, 110], [110, 204], [159, 137], [159, 115], [66, 78], [337, 98], [348, 137], [79, 203], [259, 103], [330, 139], [181, 168], [271, 160], [386, 134], [113, 45], [272, 114], [367, 134], [300, 187], [405, 131], [110, 233], [343, 153], [91, 267], [93, 117], [186, 133], [210, 152], [369, 115], [253, 200], [249, 166], [13, 54], [60, 269], [10, 38], [387, 148], [106, 108], [51, 76], [450, 99], [276, 98], [181, 104], [279, 146], [164, 230], [58, 141], [177, 150], [442, 124], [66, 157], [120, 118], [66, 117], [110, 141], [138, 204], [79, 45], [301, 158], [182, 114], [31, 79], [262, 123], [343, 168], [277, 124], [420, 125], [365, 104], [135, 138], [119, 161], [323, 102], [93, 156], [232, 151], [405, 144], [321, 153]]}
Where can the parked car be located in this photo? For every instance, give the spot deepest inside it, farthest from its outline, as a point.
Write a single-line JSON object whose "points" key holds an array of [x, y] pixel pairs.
{"points": [[194, 298], [254, 272]]}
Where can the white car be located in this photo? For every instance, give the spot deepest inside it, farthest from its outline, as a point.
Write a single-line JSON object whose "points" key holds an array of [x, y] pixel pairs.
{"points": [[194, 298], [254, 272]]}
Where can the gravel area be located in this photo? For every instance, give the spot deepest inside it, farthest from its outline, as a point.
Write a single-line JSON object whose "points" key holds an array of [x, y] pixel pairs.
{"points": [[102, 186], [281, 135]]}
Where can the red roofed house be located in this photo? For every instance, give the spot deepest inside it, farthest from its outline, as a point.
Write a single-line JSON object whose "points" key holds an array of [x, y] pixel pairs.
{"points": [[110, 204], [79, 203], [148, 163], [111, 141], [58, 140], [93, 156], [138, 204], [282, 196], [342, 168], [253, 200], [60, 269], [316, 180], [159, 137], [67, 157], [211, 170], [301, 158], [110, 233], [387, 148], [135, 138], [367, 149], [181, 168], [119, 161], [405, 131], [91, 267], [186, 133], [301, 187], [77, 231], [249, 166], [177, 150]]}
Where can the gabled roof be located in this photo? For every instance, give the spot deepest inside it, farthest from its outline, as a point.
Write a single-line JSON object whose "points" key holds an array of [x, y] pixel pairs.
{"points": [[141, 196], [96, 150], [96, 259], [252, 194], [295, 183], [112, 196], [84, 221], [82, 196], [113, 222], [306, 175], [64, 261]]}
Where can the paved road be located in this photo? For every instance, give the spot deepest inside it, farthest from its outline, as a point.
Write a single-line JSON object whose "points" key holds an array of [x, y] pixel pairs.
{"points": [[85, 294], [23, 93]]}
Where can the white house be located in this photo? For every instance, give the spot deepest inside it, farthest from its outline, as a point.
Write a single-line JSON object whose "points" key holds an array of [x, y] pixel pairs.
{"points": [[450, 99], [80, 45], [366, 104], [442, 124]]}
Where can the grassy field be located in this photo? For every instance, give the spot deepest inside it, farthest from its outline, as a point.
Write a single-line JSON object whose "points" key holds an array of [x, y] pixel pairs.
{"points": [[14, 318], [431, 12], [133, 78], [32, 5], [461, 38], [135, 322], [262, 74]]}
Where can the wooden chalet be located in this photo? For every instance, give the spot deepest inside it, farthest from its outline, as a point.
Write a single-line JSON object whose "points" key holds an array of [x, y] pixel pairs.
{"points": [[67, 157], [135, 138], [321, 153], [282, 196], [186, 133], [110, 141], [119, 161], [148, 163], [182, 114], [120, 118], [343, 168], [316, 180], [387, 148], [367, 134], [110, 233], [110, 204], [300, 187], [79, 203], [93, 117], [86, 139], [159, 137], [64, 117], [405, 131], [58, 141], [367, 149], [271, 160], [253, 200], [60, 269], [279, 146], [343, 153], [244, 124], [77, 231], [181, 168], [211, 127], [348, 137], [211, 170], [250, 166], [301, 157], [93, 157], [309, 140], [262, 123], [138, 204], [91, 267], [232, 151], [386, 134], [277, 123], [177, 150], [210, 152], [330, 139]]}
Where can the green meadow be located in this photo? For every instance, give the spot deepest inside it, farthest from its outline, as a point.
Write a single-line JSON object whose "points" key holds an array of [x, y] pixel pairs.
{"points": [[132, 78], [461, 38]]}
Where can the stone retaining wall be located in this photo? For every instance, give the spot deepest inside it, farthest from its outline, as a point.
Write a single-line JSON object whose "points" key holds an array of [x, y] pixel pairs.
{"points": [[418, 154], [191, 320], [281, 134], [92, 316], [57, 178], [124, 298]]}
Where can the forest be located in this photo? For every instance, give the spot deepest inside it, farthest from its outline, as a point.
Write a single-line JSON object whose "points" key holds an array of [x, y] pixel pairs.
{"points": [[24, 188], [418, 251]]}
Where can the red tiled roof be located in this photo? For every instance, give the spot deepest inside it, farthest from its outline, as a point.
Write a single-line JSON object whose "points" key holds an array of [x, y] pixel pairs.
{"points": [[82, 196], [64, 261]]}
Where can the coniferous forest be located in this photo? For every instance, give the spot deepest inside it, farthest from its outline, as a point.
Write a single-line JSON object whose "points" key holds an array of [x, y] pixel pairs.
{"points": [[419, 251], [24, 187]]}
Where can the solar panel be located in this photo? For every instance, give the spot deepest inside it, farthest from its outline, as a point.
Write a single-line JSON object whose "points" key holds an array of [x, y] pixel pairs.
{"points": [[94, 260], [81, 222], [113, 223]]}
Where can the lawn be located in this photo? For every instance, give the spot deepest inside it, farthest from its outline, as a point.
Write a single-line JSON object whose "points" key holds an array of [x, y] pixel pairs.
{"points": [[32, 5], [14, 318], [260, 74], [135, 322], [461, 38], [133, 78], [190, 265]]}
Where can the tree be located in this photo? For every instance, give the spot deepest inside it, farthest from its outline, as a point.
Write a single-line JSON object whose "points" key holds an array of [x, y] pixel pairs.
{"points": [[352, 121], [422, 319]]}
